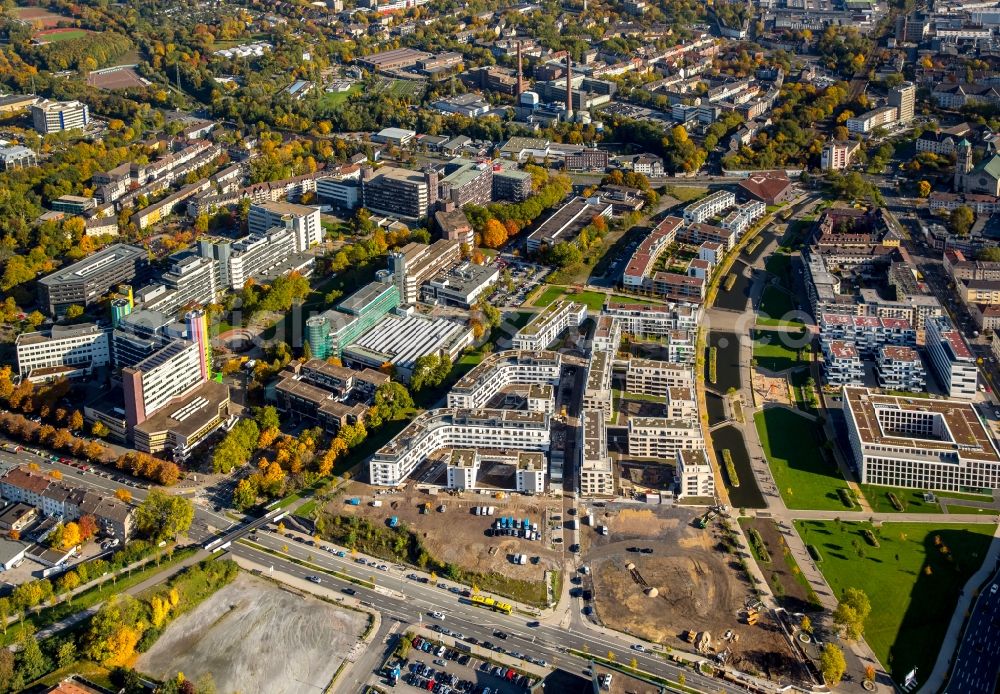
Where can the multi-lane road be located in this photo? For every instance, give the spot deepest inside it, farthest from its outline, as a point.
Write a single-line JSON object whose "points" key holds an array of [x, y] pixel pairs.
{"points": [[403, 600], [978, 663]]}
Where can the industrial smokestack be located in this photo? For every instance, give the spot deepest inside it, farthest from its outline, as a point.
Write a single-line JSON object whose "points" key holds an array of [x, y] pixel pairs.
{"points": [[569, 86], [520, 70]]}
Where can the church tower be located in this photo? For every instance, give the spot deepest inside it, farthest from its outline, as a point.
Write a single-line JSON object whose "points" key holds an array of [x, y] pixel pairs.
{"points": [[963, 164]]}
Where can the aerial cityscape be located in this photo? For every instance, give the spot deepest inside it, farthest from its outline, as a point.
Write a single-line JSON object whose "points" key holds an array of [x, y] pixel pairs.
{"points": [[570, 346]]}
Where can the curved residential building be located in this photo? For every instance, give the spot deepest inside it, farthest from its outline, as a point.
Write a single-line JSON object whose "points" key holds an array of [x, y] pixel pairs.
{"points": [[502, 369]]}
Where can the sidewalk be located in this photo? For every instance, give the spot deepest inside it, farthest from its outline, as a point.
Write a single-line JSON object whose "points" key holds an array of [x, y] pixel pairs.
{"points": [[953, 638]]}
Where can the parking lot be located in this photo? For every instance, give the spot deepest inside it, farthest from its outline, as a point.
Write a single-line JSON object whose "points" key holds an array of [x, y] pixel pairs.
{"points": [[433, 666], [524, 277]]}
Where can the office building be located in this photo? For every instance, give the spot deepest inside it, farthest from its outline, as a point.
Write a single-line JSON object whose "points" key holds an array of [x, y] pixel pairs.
{"points": [[400, 340], [190, 282], [900, 368], [185, 422], [546, 326], [951, 360], [659, 437], [501, 370], [330, 396], [71, 351], [596, 470], [84, 282], [260, 256], [655, 378], [566, 223], [920, 443], [463, 285], [903, 98], [331, 331], [343, 192], [512, 185], [455, 226], [868, 121], [303, 221], [17, 157], [402, 192], [416, 263], [694, 474], [484, 430], [466, 182], [708, 207], [73, 204], [58, 116]]}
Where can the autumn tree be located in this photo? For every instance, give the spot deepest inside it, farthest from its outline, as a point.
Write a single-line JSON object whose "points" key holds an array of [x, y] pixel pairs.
{"points": [[76, 420], [162, 516], [123, 495], [494, 234], [832, 664], [923, 189], [851, 612]]}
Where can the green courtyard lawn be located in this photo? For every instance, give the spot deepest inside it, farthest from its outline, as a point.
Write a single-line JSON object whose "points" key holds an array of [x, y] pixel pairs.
{"points": [[686, 193], [777, 350], [804, 472], [912, 579], [775, 304], [593, 300]]}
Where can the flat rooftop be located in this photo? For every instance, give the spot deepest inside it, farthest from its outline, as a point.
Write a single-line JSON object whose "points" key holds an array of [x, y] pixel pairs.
{"points": [[81, 270]]}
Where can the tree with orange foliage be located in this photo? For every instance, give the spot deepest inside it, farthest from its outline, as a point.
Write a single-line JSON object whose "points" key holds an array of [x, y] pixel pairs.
{"points": [[494, 234], [88, 526]]}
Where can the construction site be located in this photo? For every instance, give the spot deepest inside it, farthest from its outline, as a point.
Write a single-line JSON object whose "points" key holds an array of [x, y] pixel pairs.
{"points": [[662, 577]]}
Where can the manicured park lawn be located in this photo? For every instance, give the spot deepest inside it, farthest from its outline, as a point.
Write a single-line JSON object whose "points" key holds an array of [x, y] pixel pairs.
{"points": [[912, 499], [775, 305], [805, 476], [911, 606], [58, 36], [776, 350], [687, 193]]}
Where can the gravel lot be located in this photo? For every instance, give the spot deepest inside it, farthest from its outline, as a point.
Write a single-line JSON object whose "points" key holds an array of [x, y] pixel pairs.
{"points": [[255, 637]]}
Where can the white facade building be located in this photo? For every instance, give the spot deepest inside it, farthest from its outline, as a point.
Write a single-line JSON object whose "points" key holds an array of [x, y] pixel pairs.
{"points": [[708, 207], [69, 351], [597, 477], [900, 368], [58, 116], [694, 474], [545, 327], [953, 363], [500, 370], [659, 437], [302, 220], [652, 377]]}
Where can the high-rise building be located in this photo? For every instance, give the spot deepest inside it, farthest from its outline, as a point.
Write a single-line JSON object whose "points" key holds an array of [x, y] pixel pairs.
{"points": [[84, 282], [302, 220], [416, 263], [58, 116], [392, 190], [466, 183], [903, 98], [952, 361], [191, 281], [331, 331]]}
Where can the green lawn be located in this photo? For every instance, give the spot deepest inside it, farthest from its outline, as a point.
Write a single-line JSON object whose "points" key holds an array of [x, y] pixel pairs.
{"points": [[911, 499], [63, 36], [331, 100], [776, 303], [519, 319], [803, 471], [780, 265], [774, 350], [911, 606], [593, 300], [686, 193], [625, 395]]}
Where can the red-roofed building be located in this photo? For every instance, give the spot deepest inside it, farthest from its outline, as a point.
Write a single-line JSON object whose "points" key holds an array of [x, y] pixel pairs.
{"points": [[770, 187]]}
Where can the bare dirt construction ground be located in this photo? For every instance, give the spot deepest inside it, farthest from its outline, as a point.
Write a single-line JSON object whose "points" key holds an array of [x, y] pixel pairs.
{"points": [[255, 637], [457, 536], [39, 16], [697, 587]]}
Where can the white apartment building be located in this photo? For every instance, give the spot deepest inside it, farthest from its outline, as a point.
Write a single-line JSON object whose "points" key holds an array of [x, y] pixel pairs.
{"points": [[57, 116], [500, 370], [597, 391], [530, 475], [867, 333], [597, 476], [543, 329], [607, 335], [900, 368], [653, 320], [952, 362], [920, 443], [694, 474], [542, 398], [876, 118], [501, 430], [708, 207], [62, 351], [653, 377], [743, 216], [659, 437], [302, 220], [903, 98], [463, 468], [681, 403], [841, 364]]}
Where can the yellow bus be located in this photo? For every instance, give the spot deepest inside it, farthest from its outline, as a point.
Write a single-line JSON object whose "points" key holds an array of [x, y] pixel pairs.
{"points": [[491, 604]]}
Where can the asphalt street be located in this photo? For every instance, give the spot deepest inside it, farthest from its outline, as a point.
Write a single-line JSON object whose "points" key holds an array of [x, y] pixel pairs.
{"points": [[406, 601], [978, 663]]}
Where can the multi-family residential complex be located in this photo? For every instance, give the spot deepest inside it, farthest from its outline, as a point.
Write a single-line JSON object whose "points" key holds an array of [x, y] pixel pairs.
{"points": [[838, 155], [876, 118], [952, 362], [62, 352], [62, 500], [58, 116], [640, 265], [84, 282], [708, 207], [607, 335], [655, 378], [742, 216], [417, 263], [597, 394], [501, 430], [867, 333], [597, 476], [653, 320], [841, 364], [694, 474], [900, 368], [302, 220], [920, 443], [660, 437], [392, 190], [546, 326], [501, 370]]}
